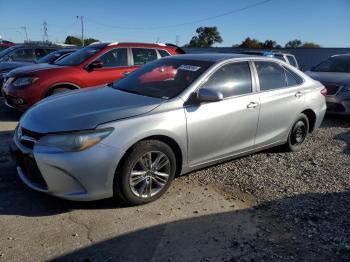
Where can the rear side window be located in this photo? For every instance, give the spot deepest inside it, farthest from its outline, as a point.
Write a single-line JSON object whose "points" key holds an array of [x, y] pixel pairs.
{"points": [[231, 80], [39, 52], [292, 60], [115, 57], [143, 55], [163, 53], [293, 79], [271, 75]]}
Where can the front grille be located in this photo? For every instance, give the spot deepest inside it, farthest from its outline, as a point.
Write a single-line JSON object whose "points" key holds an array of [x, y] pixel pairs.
{"points": [[332, 89], [335, 107], [30, 169]]}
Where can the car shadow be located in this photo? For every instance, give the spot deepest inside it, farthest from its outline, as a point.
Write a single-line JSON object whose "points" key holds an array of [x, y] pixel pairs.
{"points": [[307, 227], [345, 137]]}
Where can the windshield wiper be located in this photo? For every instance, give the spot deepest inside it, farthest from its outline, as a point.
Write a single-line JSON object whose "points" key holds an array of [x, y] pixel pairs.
{"points": [[130, 91]]}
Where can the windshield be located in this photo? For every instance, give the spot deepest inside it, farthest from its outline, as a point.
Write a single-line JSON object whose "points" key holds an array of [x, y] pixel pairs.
{"points": [[52, 57], [164, 78], [79, 57], [334, 64]]}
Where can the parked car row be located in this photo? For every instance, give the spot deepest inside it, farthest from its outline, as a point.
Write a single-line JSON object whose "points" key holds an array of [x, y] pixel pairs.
{"points": [[151, 113], [96, 65]]}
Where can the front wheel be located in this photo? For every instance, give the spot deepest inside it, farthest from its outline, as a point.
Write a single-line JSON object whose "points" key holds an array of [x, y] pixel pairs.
{"points": [[298, 133], [146, 173]]}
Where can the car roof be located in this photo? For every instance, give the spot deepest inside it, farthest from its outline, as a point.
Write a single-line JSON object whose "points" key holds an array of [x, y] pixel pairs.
{"points": [[211, 57], [158, 45]]}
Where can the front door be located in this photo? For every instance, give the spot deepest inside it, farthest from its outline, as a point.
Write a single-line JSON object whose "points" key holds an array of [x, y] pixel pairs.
{"points": [[220, 129]]}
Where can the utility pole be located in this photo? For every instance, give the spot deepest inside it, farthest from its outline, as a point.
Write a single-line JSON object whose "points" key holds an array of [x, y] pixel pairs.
{"points": [[46, 36], [25, 30], [82, 28]]}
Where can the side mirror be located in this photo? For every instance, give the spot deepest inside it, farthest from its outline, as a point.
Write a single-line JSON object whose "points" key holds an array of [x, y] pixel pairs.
{"points": [[209, 95], [94, 65]]}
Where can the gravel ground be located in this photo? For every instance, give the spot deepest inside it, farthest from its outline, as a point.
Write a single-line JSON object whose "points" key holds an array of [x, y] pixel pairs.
{"points": [[306, 192]]}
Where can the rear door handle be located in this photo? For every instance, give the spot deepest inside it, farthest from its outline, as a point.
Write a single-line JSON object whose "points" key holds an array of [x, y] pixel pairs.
{"points": [[298, 94], [252, 105]]}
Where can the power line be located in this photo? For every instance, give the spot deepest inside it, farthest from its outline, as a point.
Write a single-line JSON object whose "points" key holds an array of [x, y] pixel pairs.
{"points": [[185, 23]]}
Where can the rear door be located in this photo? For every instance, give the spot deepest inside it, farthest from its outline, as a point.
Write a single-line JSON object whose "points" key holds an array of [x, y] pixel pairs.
{"points": [[115, 65], [282, 100], [220, 129]]}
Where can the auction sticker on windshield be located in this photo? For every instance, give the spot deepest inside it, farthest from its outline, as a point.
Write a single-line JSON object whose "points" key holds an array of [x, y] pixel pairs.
{"points": [[189, 67]]}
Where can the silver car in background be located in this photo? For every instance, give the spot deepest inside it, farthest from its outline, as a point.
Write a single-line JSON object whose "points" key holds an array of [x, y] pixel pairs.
{"points": [[167, 118]]}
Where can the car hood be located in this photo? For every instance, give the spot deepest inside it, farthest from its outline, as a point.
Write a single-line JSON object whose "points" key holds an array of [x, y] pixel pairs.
{"points": [[85, 109], [330, 77], [7, 66], [32, 69]]}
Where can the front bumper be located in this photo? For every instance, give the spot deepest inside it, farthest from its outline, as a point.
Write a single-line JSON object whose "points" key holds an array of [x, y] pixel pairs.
{"points": [[81, 176], [28, 95], [339, 104]]}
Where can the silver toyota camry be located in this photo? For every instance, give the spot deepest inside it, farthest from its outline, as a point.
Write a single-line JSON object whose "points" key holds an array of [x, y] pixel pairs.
{"points": [[168, 118]]}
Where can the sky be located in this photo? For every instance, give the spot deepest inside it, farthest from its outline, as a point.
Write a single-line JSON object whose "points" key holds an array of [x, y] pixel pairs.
{"points": [[326, 22]]}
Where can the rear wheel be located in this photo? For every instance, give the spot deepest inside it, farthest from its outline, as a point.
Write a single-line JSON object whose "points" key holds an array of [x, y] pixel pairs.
{"points": [[298, 133], [146, 173]]}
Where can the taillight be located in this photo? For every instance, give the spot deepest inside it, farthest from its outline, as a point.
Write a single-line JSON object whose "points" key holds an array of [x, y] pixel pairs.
{"points": [[324, 92]]}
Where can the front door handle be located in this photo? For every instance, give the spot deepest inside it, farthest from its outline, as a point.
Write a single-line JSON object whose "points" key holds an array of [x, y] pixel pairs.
{"points": [[126, 73], [252, 105], [298, 94]]}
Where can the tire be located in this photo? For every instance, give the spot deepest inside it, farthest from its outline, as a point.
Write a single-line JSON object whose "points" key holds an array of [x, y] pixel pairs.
{"points": [[59, 90], [298, 133], [139, 181]]}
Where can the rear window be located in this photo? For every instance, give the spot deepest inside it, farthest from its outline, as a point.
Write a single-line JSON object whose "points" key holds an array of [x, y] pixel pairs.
{"points": [[334, 64], [292, 60]]}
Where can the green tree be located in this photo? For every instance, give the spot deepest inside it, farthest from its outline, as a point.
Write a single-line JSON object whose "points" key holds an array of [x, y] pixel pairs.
{"points": [[250, 43], [206, 37], [73, 40], [293, 44], [310, 45], [270, 44]]}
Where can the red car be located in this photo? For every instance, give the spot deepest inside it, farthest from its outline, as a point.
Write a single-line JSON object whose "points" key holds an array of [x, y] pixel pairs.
{"points": [[93, 66], [5, 44]]}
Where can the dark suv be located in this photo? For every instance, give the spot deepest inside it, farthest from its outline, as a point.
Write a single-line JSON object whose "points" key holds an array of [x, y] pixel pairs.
{"points": [[26, 52]]}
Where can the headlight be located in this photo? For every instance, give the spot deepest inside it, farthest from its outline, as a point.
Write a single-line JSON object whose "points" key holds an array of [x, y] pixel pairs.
{"points": [[24, 81], [74, 142]]}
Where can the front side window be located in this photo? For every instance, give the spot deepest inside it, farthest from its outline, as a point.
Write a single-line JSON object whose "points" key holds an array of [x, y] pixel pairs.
{"points": [[143, 55], [231, 80], [79, 56], [165, 78], [115, 57], [271, 75]]}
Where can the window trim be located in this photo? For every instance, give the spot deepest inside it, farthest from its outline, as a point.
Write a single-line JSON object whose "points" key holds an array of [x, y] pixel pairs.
{"points": [[252, 76], [108, 50], [285, 76], [132, 56]]}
